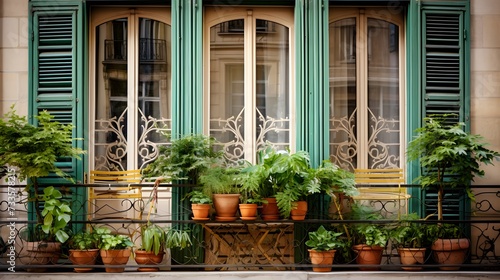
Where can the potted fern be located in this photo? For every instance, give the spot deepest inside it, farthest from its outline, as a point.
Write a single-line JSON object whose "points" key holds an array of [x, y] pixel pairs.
{"points": [[449, 158]]}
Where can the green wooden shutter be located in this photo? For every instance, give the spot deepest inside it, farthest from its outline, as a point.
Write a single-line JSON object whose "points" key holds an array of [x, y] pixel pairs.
{"points": [[444, 87], [56, 80]]}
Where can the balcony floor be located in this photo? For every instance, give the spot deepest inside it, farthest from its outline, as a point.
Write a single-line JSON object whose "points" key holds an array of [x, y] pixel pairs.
{"points": [[253, 275]]}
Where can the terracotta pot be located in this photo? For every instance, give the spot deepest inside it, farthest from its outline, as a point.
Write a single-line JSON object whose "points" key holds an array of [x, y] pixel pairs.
{"points": [[148, 258], [248, 211], [368, 255], [115, 257], [270, 209], [201, 211], [299, 211], [322, 260], [83, 257], [450, 251], [226, 206], [42, 253], [412, 256]]}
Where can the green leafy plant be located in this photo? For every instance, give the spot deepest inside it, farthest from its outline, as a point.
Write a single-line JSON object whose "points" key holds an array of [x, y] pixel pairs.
{"points": [[449, 156], [56, 215], [284, 175], [220, 179], [324, 240], [198, 197], [84, 241], [34, 150], [410, 233], [152, 238], [371, 230], [109, 241], [185, 158], [177, 238]]}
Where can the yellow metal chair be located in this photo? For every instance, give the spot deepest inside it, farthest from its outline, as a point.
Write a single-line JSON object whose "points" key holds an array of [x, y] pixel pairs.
{"points": [[384, 192], [121, 185]]}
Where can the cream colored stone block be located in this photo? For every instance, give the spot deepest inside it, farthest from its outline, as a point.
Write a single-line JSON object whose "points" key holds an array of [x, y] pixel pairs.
{"points": [[476, 31], [14, 60], [9, 86], [485, 108], [485, 60], [23, 87], [14, 8], [485, 84], [485, 7], [23, 32], [9, 32], [491, 25]]}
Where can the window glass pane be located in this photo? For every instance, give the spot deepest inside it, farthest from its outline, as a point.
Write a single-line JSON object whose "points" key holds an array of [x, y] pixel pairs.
{"points": [[272, 85], [227, 86], [383, 94], [111, 95], [153, 86], [343, 136]]}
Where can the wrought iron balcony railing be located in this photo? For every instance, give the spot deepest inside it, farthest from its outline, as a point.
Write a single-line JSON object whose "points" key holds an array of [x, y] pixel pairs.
{"points": [[240, 245]]}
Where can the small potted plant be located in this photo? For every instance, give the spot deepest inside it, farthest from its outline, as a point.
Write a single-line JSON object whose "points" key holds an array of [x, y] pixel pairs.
{"points": [[220, 182], [323, 244], [83, 250], [115, 249], [152, 249], [411, 239], [200, 205], [370, 236]]}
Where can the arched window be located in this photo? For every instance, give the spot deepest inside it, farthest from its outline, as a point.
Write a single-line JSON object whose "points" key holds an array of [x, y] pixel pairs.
{"points": [[248, 74], [130, 86], [366, 88]]}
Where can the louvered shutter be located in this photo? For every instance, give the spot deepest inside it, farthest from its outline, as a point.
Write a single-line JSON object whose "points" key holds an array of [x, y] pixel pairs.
{"points": [[444, 87], [56, 81]]}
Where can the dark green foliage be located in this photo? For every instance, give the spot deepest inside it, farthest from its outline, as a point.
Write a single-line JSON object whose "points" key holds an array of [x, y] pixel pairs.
{"points": [[35, 149], [449, 156], [185, 159], [410, 233]]}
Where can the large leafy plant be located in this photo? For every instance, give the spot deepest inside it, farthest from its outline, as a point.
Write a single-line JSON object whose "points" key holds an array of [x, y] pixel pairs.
{"points": [[449, 156], [34, 151], [185, 158]]}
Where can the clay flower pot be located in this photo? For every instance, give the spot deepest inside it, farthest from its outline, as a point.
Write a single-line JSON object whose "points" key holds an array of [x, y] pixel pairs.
{"points": [[270, 210], [299, 211], [148, 258], [226, 206], [450, 251], [368, 255], [248, 211], [322, 260], [115, 257], [201, 211], [83, 257], [412, 256]]}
